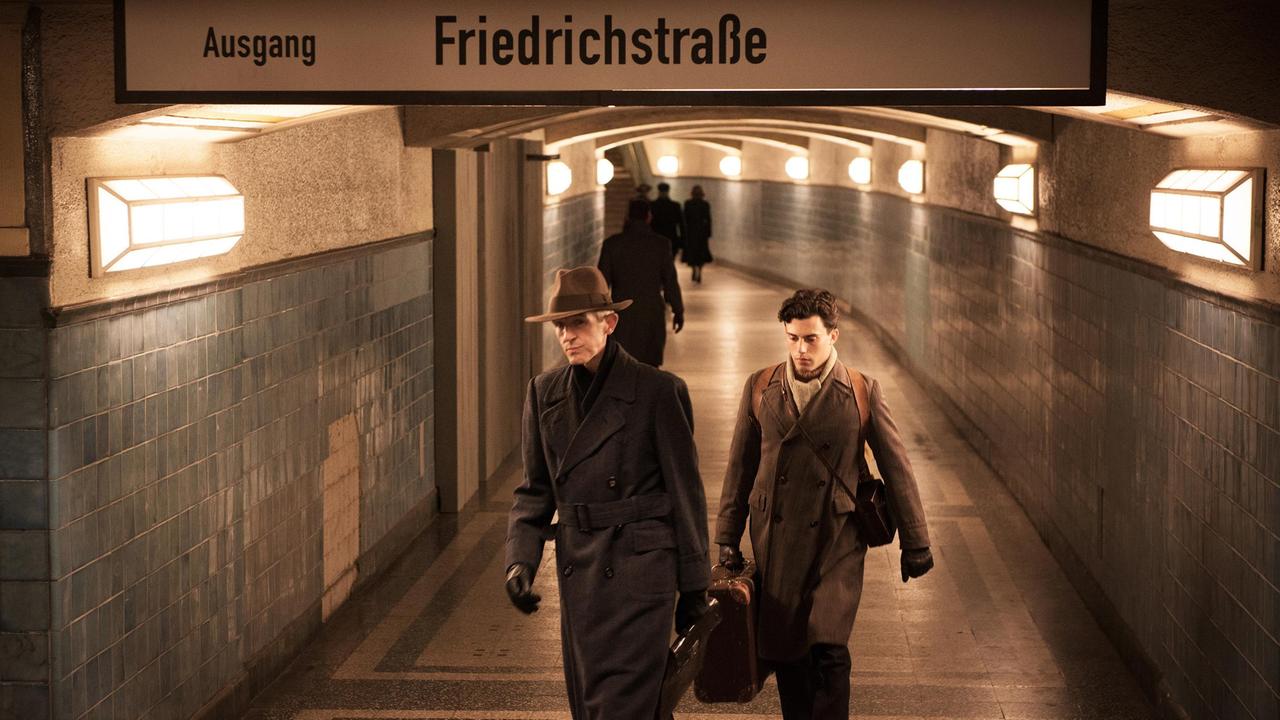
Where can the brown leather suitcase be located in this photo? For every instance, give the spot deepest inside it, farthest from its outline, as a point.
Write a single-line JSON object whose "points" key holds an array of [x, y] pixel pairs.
{"points": [[731, 671]]}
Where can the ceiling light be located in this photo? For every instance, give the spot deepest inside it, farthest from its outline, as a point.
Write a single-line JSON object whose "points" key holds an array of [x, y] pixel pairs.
{"points": [[668, 165], [911, 176], [731, 165], [559, 177], [604, 171], [860, 170], [150, 221], [1215, 214], [1015, 188], [797, 167]]}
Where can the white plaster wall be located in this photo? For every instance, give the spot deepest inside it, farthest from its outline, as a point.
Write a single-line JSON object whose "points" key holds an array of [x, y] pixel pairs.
{"points": [[581, 159], [886, 158], [315, 187], [695, 160]]}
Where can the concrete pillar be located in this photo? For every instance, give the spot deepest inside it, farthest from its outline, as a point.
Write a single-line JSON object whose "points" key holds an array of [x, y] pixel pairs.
{"points": [[13, 230], [458, 341]]}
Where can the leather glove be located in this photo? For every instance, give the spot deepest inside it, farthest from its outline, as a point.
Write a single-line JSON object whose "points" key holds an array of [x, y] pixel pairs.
{"points": [[731, 558], [916, 563], [677, 323], [691, 606], [520, 588]]}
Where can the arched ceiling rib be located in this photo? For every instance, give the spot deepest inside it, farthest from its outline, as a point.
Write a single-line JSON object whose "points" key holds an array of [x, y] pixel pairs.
{"points": [[848, 140], [781, 142]]}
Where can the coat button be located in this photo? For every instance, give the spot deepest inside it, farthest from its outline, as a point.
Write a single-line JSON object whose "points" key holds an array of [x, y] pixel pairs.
{"points": [[826, 446], [782, 479], [608, 572], [813, 524], [568, 570], [777, 518], [612, 482], [822, 483]]}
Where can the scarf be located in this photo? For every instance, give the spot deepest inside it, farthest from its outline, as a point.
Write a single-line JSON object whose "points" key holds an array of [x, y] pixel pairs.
{"points": [[803, 391]]}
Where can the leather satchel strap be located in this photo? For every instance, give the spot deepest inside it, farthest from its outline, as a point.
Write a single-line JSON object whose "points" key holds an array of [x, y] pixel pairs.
{"points": [[757, 390]]}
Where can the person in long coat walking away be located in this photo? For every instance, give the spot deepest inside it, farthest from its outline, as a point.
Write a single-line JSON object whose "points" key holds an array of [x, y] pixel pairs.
{"points": [[796, 457], [697, 232], [637, 264], [608, 444], [668, 218]]}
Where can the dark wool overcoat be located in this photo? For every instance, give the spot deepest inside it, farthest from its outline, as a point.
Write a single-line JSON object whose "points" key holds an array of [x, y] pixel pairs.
{"points": [[697, 232], [805, 542], [637, 265], [618, 583], [668, 221]]}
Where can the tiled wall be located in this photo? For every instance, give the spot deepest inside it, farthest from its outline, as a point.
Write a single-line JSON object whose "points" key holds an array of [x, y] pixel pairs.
{"points": [[188, 439], [1137, 419], [24, 516], [572, 231]]}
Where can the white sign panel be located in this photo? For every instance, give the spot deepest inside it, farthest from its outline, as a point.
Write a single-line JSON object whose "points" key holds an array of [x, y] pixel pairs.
{"points": [[593, 53]]}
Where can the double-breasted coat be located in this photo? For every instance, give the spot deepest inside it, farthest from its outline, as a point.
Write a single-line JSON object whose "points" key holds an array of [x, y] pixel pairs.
{"points": [[697, 232], [638, 266], [802, 532], [631, 531]]}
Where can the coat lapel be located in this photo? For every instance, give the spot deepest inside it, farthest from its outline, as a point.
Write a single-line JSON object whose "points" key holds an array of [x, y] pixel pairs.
{"points": [[559, 419], [827, 403], [606, 416], [777, 400]]}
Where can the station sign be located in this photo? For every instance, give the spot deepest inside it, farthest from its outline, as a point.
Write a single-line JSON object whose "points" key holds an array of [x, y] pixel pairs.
{"points": [[587, 52]]}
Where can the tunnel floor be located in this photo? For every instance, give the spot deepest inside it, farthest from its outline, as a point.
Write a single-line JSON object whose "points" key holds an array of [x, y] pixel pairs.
{"points": [[994, 631]]}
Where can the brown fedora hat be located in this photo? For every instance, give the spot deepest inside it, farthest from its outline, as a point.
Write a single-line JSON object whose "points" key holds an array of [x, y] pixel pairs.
{"points": [[576, 291]]}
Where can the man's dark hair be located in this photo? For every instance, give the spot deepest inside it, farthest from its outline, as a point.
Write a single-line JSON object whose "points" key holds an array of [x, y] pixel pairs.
{"points": [[664, 187], [809, 302], [638, 210]]}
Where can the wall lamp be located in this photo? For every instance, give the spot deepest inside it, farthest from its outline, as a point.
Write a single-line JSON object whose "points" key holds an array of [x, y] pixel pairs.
{"points": [[731, 166], [668, 165], [1015, 188], [1215, 214], [911, 176], [559, 177], [604, 171], [797, 167], [149, 221], [860, 170]]}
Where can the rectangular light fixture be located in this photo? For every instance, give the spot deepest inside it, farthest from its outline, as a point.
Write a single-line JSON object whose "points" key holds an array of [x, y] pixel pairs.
{"points": [[1015, 188], [1215, 214], [149, 221]]}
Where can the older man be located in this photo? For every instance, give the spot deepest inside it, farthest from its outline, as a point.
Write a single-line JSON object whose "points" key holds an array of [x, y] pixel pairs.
{"points": [[608, 443], [794, 464]]}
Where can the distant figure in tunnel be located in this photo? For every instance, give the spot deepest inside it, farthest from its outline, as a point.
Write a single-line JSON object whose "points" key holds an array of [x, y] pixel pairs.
{"points": [[608, 443], [668, 218], [697, 232], [795, 464], [637, 264]]}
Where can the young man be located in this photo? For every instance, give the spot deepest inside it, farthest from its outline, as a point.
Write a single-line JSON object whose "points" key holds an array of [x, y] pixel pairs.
{"points": [[608, 443], [806, 544]]}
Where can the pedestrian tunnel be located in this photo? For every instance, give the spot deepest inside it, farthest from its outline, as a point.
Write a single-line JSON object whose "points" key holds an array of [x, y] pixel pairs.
{"points": [[262, 370]]}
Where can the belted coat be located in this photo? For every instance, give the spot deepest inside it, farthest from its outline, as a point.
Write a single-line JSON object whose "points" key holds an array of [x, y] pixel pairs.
{"points": [[632, 527], [802, 531], [638, 266]]}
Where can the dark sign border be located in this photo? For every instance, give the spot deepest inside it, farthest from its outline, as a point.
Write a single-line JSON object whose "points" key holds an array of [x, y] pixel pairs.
{"points": [[1095, 94]]}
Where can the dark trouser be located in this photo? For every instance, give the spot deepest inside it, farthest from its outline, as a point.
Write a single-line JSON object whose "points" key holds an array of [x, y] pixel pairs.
{"points": [[815, 687]]}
